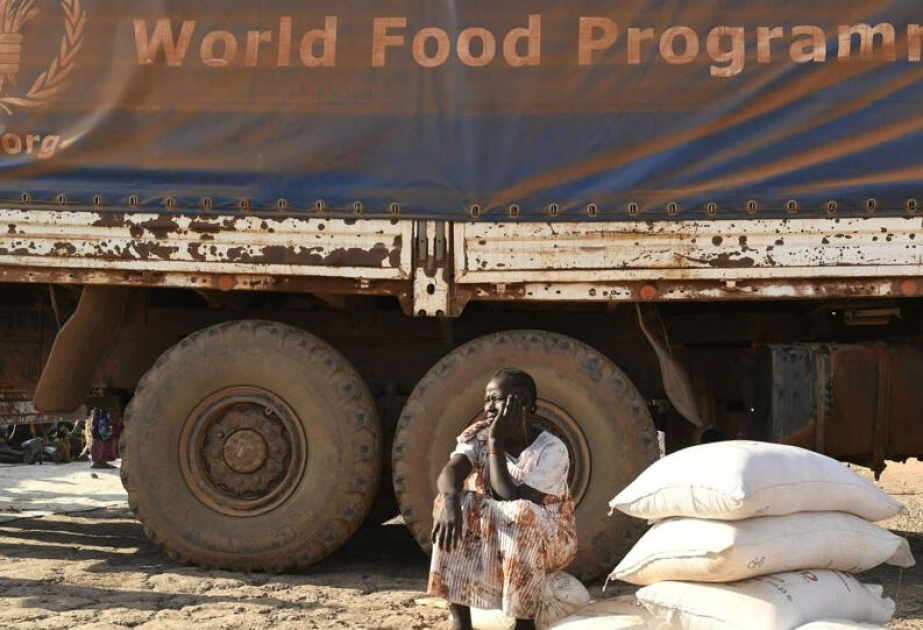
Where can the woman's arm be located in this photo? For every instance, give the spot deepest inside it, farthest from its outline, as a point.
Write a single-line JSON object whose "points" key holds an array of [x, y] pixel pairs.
{"points": [[509, 420], [502, 483], [450, 522]]}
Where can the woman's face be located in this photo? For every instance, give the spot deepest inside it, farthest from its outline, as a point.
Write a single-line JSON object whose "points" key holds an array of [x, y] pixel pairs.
{"points": [[498, 390]]}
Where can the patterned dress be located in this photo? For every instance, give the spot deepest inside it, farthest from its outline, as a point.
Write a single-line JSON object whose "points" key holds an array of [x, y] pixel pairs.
{"points": [[508, 547]]}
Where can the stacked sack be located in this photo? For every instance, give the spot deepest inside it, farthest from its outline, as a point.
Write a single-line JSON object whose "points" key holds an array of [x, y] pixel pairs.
{"points": [[758, 536], [562, 595]]}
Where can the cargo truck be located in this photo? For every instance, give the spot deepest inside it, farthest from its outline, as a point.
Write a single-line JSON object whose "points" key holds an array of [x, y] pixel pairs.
{"points": [[292, 241]]}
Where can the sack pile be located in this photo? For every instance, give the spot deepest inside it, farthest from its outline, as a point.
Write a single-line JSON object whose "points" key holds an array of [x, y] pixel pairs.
{"points": [[759, 536]]}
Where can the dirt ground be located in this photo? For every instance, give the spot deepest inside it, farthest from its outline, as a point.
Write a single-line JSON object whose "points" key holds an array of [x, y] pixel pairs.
{"points": [[96, 570]]}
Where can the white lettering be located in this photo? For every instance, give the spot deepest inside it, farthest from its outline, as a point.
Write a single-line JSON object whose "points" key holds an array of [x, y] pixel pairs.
{"points": [[325, 39], [811, 47], [867, 36], [636, 37], [381, 39], [914, 37], [724, 48], [228, 49], [174, 49], [11, 143], [475, 46], [764, 37], [441, 51], [284, 59], [488, 47], [595, 33], [532, 35], [42, 147], [219, 48], [254, 39], [690, 47], [733, 57]]}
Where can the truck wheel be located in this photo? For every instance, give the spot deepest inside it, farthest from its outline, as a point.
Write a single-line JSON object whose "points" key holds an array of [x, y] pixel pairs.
{"points": [[583, 398], [251, 445]]}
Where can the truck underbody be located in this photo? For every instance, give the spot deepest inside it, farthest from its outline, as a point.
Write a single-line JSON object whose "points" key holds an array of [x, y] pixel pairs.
{"points": [[214, 333]]}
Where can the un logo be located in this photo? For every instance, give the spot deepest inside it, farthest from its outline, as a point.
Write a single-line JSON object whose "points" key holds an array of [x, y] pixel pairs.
{"points": [[14, 16]]}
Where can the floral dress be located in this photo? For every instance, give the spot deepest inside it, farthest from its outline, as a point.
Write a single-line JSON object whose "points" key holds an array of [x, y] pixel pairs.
{"points": [[508, 547]]}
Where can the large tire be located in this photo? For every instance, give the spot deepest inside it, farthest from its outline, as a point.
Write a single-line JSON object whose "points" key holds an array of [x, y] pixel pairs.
{"points": [[251, 445], [583, 397]]}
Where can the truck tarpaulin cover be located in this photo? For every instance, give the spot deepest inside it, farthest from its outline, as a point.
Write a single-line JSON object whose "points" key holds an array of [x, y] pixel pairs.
{"points": [[580, 109]]}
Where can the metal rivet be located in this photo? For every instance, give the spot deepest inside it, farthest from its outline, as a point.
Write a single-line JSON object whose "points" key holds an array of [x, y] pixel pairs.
{"points": [[832, 207], [97, 200], [207, 203], [281, 204], [912, 205], [592, 210], [169, 202], [357, 207], [672, 208], [632, 208], [553, 209], [753, 206], [711, 208], [243, 204], [474, 210], [514, 210], [791, 206], [26, 198], [134, 201], [61, 199], [871, 205], [394, 207]]}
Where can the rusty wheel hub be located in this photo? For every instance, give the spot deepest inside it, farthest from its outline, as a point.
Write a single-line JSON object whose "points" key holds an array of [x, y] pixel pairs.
{"points": [[244, 451]]}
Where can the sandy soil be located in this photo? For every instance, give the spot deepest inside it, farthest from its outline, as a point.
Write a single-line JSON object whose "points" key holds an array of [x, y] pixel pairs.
{"points": [[97, 570]]}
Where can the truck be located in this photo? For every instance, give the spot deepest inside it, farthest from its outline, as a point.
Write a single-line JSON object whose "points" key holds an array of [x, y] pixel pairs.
{"points": [[291, 242]]}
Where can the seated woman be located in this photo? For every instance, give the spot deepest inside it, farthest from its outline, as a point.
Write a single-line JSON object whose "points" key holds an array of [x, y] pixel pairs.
{"points": [[495, 542]]}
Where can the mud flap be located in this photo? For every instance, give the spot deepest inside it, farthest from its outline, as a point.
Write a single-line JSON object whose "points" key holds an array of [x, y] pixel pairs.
{"points": [[78, 348]]}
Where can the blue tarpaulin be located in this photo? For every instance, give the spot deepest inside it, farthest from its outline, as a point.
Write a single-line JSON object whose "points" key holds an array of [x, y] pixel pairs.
{"points": [[576, 110]]}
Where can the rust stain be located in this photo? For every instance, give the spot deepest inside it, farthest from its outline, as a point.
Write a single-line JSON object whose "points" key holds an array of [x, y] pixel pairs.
{"points": [[394, 259], [316, 256], [724, 260], [64, 247], [109, 219], [150, 251], [204, 227], [160, 227]]}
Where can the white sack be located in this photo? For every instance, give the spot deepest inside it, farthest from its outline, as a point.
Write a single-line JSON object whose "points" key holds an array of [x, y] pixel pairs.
{"points": [[484, 619], [562, 594], [781, 601], [619, 613], [832, 624], [740, 479], [705, 550]]}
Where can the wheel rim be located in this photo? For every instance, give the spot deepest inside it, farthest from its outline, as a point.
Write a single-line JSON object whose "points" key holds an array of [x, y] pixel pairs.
{"points": [[243, 451], [559, 422]]}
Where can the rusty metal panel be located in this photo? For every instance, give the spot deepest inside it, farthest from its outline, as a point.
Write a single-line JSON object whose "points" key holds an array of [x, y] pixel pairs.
{"points": [[579, 260], [857, 402], [166, 243]]}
